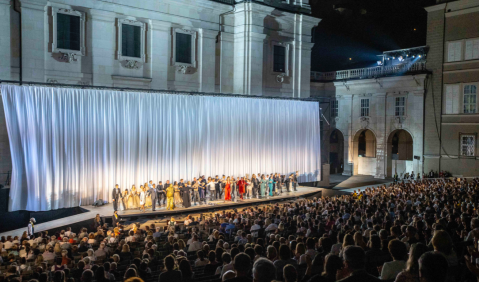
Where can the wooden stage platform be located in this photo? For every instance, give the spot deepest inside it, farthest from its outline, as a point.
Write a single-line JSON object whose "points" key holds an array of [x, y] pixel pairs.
{"points": [[106, 211]]}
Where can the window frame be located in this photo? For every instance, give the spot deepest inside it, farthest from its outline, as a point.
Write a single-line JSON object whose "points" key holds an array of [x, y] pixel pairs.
{"points": [[143, 27], [461, 53], [361, 107], [465, 46], [194, 37], [463, 88], [70, 12], [335, 108], [396, 106], [461, 145], [286, 45]]}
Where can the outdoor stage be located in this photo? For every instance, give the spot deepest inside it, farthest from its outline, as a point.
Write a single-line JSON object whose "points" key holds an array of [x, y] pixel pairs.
{"points": [[106, 211]]}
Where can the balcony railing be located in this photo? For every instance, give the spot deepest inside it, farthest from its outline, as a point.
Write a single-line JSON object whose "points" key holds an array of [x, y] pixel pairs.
{"points": [[363, 73]]}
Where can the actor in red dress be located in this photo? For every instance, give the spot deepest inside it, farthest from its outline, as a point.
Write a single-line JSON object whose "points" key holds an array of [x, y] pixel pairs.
{"points": [[241, 187], [228, 190]]}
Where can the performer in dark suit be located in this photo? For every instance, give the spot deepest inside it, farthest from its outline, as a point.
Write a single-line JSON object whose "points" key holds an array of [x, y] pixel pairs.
{"points": [[256, 182], [217, 188], [115, 219], [152, 191], [295, 180], [223, 186], [116, 194], [277, 179], [160, 193]]}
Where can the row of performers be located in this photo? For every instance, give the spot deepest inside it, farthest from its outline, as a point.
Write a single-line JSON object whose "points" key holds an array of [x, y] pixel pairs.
{"points": [[184, 193]]}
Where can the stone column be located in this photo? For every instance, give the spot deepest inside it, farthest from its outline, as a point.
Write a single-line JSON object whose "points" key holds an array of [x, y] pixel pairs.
{"points": [[348, 135], [418, 141], [381, 138], [103, 32], [226, 57], [160, 53], [35, 32], [5, 40], [206, 59]]}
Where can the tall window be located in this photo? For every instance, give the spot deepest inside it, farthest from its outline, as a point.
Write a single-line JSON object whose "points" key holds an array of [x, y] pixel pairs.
{"points": [[279, 58], [334, 108], [454, 51], [364, 107], [68, 32], [400, 106], [470, 92], [183, 48], [468, 143], [131, 41], [472, 49]]}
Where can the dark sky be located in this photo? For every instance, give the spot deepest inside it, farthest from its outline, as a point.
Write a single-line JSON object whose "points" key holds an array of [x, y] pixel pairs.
{"points": [[364, 30]]}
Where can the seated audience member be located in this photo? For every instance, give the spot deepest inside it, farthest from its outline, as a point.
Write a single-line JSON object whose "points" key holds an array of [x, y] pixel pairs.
{"points": [[354, 266], [433, 267]]}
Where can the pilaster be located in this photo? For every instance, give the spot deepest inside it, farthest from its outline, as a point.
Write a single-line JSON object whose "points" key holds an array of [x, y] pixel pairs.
{"points": [[381, 138], [102, 31], [5, 39], [206, 51], [226, 62], [160, 44]]}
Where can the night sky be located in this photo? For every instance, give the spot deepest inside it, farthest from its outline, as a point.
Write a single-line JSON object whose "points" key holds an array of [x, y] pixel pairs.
{"points": [[364, 29]]}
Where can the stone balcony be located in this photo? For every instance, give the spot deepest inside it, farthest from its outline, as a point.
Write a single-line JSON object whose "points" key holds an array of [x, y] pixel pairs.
{"points": [[373, 72]]}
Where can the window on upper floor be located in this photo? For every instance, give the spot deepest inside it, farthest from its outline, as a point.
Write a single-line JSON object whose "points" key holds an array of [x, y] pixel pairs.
{"points": [[471, 51], [131, 41], [184, 47], [468, 145], [451, 99], [334, 108], [279, 59], [68, 31], [469, 103], [454, 51], [400, 106], [364, 107]]}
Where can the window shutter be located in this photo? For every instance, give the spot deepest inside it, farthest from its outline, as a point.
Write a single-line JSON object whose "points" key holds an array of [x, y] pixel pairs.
{"points": [[452, 99], [457, 51], [469, 48]]}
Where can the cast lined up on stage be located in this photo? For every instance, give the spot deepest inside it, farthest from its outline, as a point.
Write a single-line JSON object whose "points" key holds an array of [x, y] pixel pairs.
{"points": [[197, 191]]}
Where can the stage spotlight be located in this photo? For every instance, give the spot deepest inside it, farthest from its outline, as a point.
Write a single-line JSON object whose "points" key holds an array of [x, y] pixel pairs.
{"points": [[394, 58], [380, 63], [401, 59], [420, 56], [407, 55], [414, 56]]}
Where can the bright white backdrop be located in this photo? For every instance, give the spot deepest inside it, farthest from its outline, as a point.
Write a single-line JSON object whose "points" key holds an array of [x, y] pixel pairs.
{"points": [[70, 147]]}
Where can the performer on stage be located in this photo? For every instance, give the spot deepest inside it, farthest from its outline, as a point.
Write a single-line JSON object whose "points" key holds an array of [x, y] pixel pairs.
{"points": [[217, 188], [203, 188], [241, 187], [263, 184], [277, 180], [295, 180], [124, 199], [233, 189], [271, 185], [160, 192], [289, 183], [136, 197], [196, 193], [170, 193], [142, 198], [223, 186], [115, 196], [227, 189], [256, 183], [186, 195], [177, 196], [31, 228], [211, 187], [152, 192]]}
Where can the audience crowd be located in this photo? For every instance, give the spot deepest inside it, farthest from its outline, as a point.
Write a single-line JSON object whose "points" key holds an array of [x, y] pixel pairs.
{"points": [[425, 230]]}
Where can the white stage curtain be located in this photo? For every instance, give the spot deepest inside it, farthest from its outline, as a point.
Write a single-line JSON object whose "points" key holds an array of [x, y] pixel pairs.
{"points": [[70, 147]]}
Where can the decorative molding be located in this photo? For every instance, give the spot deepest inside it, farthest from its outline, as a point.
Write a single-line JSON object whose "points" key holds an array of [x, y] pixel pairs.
{"points": [[182, 68], [53, 81], [287, 47], [54, 43], [336, 119], [366, 95], [131, 64], [364, 122], [280, 77], [68, 57], [399, 121], [83, 82]]}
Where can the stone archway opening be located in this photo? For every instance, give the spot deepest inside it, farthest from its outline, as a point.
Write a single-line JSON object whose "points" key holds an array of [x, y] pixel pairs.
{"points": [[336, 152], [400, 157], [364, 152]]}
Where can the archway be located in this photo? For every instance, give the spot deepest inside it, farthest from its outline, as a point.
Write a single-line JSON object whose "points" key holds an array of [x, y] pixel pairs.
{"points": [[336, 152], [400, 153], [364, 152]]}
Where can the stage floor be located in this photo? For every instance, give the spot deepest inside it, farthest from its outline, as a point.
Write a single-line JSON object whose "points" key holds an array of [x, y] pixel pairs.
{"points": [[106, 211]]}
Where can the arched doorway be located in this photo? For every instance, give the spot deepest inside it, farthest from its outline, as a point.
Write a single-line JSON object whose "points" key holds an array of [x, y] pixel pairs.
{"points": [[364, 153], [400, 153], [336, 152]]}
